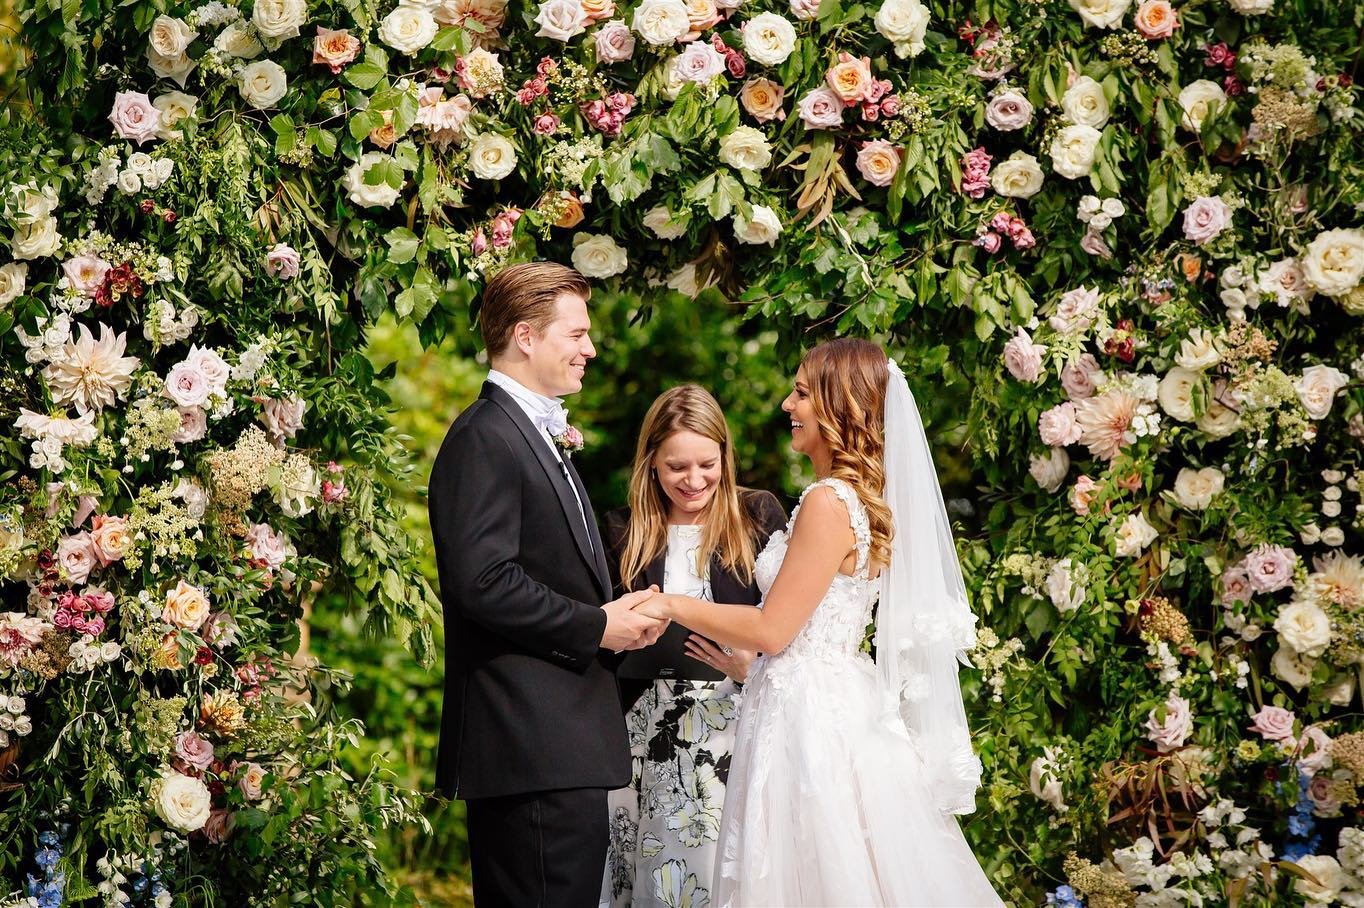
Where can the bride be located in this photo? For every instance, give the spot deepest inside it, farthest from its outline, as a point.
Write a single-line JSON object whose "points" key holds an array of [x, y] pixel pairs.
{"points": [[846, 772]]}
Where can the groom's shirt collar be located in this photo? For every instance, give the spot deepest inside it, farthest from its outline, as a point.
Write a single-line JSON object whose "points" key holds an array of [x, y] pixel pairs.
{"points": [[536, 406]]}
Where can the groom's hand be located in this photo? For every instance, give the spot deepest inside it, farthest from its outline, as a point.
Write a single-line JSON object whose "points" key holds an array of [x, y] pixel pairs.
{"points": [[626, 628]]}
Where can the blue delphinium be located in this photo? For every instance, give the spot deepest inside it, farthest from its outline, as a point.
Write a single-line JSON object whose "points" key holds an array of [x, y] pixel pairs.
{"points": [[1302, 825], [1064, 897], [50, 890]]}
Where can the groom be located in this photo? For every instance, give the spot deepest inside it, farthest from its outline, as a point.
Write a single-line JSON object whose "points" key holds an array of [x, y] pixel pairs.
{"points": [[531, 736]]}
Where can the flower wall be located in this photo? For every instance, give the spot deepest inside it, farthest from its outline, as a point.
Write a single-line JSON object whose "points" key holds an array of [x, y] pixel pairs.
{"points": [[1128, 234]]}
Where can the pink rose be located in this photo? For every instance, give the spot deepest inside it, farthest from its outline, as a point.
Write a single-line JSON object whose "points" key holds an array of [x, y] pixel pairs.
{"points": [[267, 545], [1156, 19], [102, 601], [1076, 311], [134, 117], [478, 243], [546, 124], [193, 750], [851, 79], [821, 109], [1080, 378], [1009, 110], [1314, 750], [187, 386], [804, 9], [1082, 495], [220, 630], [1236, 586], [1207, 217], [219, 825], [699, 62], [1023, 358], [890, 106], [282, 262], [110, 539], [1273, 723], [193, 425], [282, 416], [334, 48], [975, 173], [252, 781], [615, 42], [1093, 243], [1322, 792], [1171, 732], [878, 161], [989, 241], [212, 366], [85, 273], [1270, 567], [1058, 427], [334, 492], [504, 226], [76, 555]]}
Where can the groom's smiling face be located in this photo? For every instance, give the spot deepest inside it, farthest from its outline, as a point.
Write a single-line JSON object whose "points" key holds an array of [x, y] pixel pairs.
{"points": [[558, 356]]}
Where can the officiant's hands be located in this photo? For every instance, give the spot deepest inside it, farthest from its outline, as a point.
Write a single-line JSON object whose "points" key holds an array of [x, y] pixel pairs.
{"points": [[629, 628]]}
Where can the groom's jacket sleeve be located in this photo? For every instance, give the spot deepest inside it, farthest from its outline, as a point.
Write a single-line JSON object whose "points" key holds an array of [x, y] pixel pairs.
{"points": [[478, 525]]}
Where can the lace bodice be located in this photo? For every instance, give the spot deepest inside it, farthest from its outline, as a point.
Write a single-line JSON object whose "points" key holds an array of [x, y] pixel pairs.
{"points": [[839, 623]]}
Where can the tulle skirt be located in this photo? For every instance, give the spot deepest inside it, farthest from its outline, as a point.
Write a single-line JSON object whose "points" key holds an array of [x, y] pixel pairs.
{"points": [[827, 803]]}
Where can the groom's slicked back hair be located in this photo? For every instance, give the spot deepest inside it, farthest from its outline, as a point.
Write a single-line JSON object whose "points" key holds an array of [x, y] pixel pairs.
{"points": [[524, 293]]}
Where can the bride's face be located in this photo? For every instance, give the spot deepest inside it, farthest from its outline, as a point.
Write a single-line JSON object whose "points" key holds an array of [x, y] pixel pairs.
{"points": [[805, 437]]}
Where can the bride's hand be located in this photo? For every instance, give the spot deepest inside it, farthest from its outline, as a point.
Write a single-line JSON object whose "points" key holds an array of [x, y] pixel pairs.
{"points": [[734, 663], [655, 606]]}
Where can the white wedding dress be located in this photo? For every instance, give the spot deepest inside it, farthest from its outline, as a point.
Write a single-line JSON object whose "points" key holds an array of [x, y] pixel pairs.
{"points": [[827, 801]]}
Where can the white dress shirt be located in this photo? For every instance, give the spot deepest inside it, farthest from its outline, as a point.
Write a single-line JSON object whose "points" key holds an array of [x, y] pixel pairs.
{"points": [[542, 411]]}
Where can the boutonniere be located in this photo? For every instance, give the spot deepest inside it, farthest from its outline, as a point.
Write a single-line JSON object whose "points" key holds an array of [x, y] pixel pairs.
{"points": [[569, 440]]}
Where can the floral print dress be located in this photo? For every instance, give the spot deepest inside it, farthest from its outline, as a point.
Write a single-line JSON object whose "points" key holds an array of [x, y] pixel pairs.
{"points": [[665, 825]]}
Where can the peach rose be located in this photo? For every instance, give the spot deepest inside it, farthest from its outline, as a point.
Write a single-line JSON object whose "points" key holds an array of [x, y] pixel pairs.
{"points": [[762, 98], [850, 78], [110, 538], [877, 161], [572, 213], [701, 15], [334, 48], [598, 10], [186, 606], [384, 136], [1156, 19]]}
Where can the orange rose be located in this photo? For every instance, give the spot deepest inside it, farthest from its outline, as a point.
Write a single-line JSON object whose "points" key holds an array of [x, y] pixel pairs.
{"points": [[702, 14], [1191, 265], [571, 212], [334, 48]]}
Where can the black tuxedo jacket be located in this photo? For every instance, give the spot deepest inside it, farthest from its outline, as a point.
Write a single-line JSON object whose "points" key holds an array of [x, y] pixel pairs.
{"points": [[667, 658], [531, 702]]}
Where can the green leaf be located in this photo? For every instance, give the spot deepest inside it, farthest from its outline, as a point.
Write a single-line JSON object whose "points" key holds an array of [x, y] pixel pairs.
{"points": [[363, 76], [402, 245]]}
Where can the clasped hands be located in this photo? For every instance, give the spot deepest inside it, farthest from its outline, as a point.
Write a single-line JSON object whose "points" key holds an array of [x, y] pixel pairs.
{"points": [[633, 621]]}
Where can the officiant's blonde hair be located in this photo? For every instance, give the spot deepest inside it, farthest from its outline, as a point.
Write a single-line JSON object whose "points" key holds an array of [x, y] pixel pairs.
{"points": [[727, 531], [847, 379]]}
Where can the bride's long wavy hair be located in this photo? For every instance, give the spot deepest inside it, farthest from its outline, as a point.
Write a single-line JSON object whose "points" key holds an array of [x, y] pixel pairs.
{"points": [[728, 531], [847, 380]]}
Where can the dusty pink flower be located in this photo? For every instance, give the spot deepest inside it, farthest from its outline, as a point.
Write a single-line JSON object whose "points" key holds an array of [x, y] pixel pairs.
{"points": [[1236, 585], [85, 273], [1205, 218], [1009, 110], [615, 42], [1270, 567], [76, 555], [1156, 19], [1057, 426], [282, 262], [1171, 732], [699, 62], [1077, 310], [251, 781], [194, 750], [334, 48], [1023, 358], [989, 241], [546, 124], [821, 109], [1273, 723], [1093, 243], [219, 825], [267, 545], [193, 425], [282, 416], [1080, 378], [1314, 749], [134, 117], [975, 172], [187, 385]]}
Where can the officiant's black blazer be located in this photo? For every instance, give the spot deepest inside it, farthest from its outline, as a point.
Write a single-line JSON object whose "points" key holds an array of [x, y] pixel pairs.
{"points": [[531, 702]]}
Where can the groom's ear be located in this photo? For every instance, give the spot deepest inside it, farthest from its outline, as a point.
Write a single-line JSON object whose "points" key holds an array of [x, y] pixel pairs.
{"points": [[523, 337]]}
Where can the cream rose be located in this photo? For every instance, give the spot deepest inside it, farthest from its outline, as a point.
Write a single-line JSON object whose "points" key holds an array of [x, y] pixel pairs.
{"points": [[560, 20], [598, 256], [903, 23], [1085, 103], [1195, 489], [1330, 878], [661, 22], [1176, 392], [408, 29], [746, 148], [491, 156], [878, 161], [1050, 469], [1073, 150], [110, 539], [1290, 667], [1133, 536], [171, 36], [1218, 421], [1251, 7], [1304, 627], [36, 239], [1101, 13], [263, 83], [1045, 786], [1018, 177], [13, 281], [174, 106], [186, 606], [176, 68], [1198, 100], [763, 227], [1317, 388], [380, 195], [1334, 261], [279, 18], [1199, 351], [239, 40], [769, 39], [659, 220], [183, 802]]}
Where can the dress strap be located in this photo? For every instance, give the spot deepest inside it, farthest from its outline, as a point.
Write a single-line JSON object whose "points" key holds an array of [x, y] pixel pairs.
{"points": [[857, 516]]}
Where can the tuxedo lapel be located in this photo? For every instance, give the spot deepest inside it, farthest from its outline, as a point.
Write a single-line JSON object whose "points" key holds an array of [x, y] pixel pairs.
{"points": [[555, 474]]}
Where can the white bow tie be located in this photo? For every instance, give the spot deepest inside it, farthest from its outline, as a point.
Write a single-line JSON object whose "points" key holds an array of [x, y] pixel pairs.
{"points": [[554, 421]]}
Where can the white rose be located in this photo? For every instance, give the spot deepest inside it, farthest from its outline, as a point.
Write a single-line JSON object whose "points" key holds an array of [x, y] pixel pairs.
{"points": [[171, 36], [263, 83], [1292, 668], [660, 221], [1334, 261], [279, 18], [1019, 177], [1133, 536], [661, 22], [598, 256], [1176, 393], [1072, 151], [1304, 627], [13, 281], [183, 802], [560, 20], [903, 23], [1330, 879], [238, 40], [36, 239], [491, 156], [174, 106], [1333, 536], [1044, 784], [1195, 489], [1317, 388], [1084, 103], [1218, 421], [380, 194], [1199, 351], [408, 29], [769, 39], [1050, 469], [746, 148], [1064, 592], [1101, 13], [129, 182], [176, 68], [1251, 7], [1199, 99], [763, 227]]}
